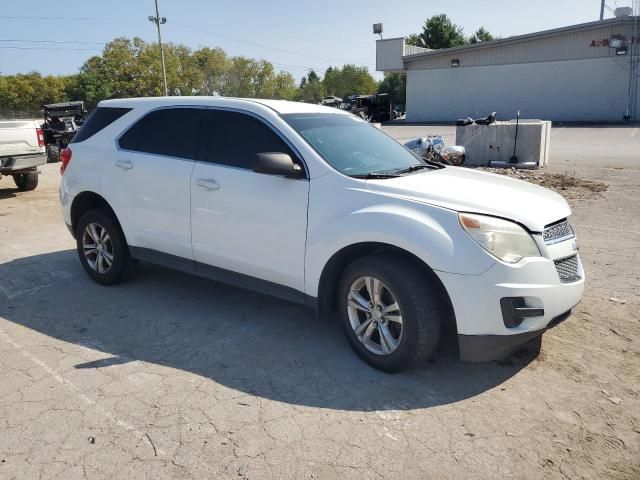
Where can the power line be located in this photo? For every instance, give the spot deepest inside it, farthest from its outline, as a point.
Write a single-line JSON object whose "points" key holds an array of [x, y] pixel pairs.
{"points": [[51, 41], [183, 25], [260, 45], [305, 68], [15, 47], [98, 19]]}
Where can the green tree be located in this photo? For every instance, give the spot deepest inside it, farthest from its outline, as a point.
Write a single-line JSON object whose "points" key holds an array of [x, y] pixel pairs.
{"points": [[132, 68], [438, 32], [239, 80], [481, 35], [24, 94], [285, 86], [313, 91], [214, 65], [264, 80], [348, 80], [395, 85], [94, 82]]}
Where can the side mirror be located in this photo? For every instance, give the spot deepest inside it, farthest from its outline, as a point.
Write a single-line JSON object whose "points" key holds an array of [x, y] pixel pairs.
{"points": [[276, 163]]}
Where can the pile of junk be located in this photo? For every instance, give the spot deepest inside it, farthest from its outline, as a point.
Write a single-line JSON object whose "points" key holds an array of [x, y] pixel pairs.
{"points": [[487, 142], [434, 149], [372, 108], [61, 122]]}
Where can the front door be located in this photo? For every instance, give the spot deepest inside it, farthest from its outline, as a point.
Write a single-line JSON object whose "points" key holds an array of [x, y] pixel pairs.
{"points": [[242, 221]]}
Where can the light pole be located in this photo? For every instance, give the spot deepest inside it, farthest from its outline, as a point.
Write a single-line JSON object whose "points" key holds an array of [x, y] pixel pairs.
{"points": [[158, 20], [602, 3]]}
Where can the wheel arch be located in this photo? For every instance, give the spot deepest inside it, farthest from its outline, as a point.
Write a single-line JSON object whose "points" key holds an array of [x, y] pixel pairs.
{"points": [[86, 201], [332, 271]]}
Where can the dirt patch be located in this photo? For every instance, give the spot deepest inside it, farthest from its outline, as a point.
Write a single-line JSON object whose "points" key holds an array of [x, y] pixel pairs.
{"points": [[568, 184]]}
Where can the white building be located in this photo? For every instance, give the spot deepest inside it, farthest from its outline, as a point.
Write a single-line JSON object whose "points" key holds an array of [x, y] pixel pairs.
{"points": [[566, 74]]}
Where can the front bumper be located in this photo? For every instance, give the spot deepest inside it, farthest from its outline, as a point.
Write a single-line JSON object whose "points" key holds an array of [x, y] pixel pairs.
{"points": [[11, 165], [485, 348], [483, 332]]}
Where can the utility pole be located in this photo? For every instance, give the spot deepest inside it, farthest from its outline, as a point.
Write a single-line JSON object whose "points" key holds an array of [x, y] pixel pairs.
{"points": [[158, 20], [602, 3]]}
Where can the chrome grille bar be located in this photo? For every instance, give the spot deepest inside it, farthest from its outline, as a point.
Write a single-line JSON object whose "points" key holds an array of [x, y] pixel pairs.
{"points": [[568, 269], [558, 232]]}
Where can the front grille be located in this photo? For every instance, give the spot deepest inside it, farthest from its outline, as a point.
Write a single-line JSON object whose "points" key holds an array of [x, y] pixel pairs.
{"points": [[568, 269], [557, 232]]}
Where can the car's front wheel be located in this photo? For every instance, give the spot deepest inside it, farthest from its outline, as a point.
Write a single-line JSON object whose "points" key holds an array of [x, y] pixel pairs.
{"points": [[102, 248], [389, 312]]}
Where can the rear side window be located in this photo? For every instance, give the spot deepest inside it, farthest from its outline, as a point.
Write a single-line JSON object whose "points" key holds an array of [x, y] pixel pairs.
{"points": [[174, 132], [100, 118], [237, 138]]}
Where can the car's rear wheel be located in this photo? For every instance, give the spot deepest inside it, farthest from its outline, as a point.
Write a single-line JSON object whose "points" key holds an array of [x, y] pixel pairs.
{"points": [[390, 314], [102, 248]]}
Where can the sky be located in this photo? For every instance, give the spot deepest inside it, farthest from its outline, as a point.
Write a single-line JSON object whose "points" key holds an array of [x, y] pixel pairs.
{"points": [[295, 35]]}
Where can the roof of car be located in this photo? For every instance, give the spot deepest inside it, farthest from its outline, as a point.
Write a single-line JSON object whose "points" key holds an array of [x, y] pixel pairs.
{"points": [[280, 106]]}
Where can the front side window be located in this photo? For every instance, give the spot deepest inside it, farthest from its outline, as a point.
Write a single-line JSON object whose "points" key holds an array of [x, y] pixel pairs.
{"points": [[352, 146], [236, 138], [173, 132]]}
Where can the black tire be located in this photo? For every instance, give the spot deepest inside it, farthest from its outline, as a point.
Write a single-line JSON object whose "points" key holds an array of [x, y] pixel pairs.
{"points": [[26, 181], [53, 154], [123, 265], [422, 311]]}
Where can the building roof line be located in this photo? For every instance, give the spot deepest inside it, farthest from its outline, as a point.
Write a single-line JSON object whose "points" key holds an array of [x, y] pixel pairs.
{"points": [[390, 38], [519, 38]]}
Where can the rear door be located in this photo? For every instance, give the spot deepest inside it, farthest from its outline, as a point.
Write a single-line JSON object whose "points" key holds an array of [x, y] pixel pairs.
{"points": [[148, 178], [246, 222]]}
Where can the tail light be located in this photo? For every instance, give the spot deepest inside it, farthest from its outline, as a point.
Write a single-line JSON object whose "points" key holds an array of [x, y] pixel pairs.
{"points": [[65, 158], [40, 137]]}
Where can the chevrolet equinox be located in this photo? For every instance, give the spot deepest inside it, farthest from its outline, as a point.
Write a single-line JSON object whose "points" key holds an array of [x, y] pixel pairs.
{"points": [[316, 206]]}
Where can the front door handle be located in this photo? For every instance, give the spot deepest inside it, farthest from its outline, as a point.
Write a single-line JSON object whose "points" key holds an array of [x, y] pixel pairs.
{"points": [[207, 183], [125, 164]]}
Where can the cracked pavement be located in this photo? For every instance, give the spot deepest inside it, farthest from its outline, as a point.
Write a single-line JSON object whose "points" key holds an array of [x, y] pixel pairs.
{"points": [[173, 376]]}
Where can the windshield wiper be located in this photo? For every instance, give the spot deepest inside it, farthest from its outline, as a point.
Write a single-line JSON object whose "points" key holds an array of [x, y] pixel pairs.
{"points": [[374, 175], [414, 168]]}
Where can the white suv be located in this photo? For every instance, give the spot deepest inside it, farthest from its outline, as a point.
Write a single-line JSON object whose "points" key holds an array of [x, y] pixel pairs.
{"points": [[316, 206]]}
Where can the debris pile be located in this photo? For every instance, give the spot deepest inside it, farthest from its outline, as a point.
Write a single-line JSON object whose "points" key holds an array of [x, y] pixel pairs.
{"points": [[569, 185]]}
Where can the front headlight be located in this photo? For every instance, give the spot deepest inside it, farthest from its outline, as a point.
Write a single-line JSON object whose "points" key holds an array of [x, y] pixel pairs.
{"points": [[504, 239]]}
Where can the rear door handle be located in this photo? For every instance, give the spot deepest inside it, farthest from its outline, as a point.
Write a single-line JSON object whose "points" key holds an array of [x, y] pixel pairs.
{"points": [[126, 164], [207, 183]]}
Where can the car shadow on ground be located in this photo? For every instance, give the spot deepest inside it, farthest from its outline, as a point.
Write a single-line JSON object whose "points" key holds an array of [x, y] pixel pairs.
{"points": [[7, 192], [240, 339]]}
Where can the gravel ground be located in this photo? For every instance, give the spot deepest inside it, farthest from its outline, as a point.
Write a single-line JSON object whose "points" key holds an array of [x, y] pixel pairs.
{"points": [[171, 376]]}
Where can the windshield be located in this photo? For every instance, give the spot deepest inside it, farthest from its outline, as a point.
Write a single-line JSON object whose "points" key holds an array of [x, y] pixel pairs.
{"points": [[351, 145]]}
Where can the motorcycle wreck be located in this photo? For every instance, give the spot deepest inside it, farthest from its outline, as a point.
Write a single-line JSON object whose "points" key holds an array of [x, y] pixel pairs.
{"points": [[433, 148]]}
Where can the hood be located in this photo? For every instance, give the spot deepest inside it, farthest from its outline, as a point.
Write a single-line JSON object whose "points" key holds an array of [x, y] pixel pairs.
{"points": [[467, 190]]}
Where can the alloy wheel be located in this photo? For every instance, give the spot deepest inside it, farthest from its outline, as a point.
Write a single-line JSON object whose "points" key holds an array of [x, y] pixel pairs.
{"points": [[375, 315], [97, 248]]}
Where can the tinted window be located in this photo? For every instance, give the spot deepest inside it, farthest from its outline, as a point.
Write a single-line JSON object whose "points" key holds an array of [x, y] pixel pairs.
{"points": [[175, 132], [99, 119], [237, 138]]}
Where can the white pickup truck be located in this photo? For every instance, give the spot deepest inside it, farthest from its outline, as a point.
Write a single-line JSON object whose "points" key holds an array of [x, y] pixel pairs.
{"points": [[22, 150]]}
